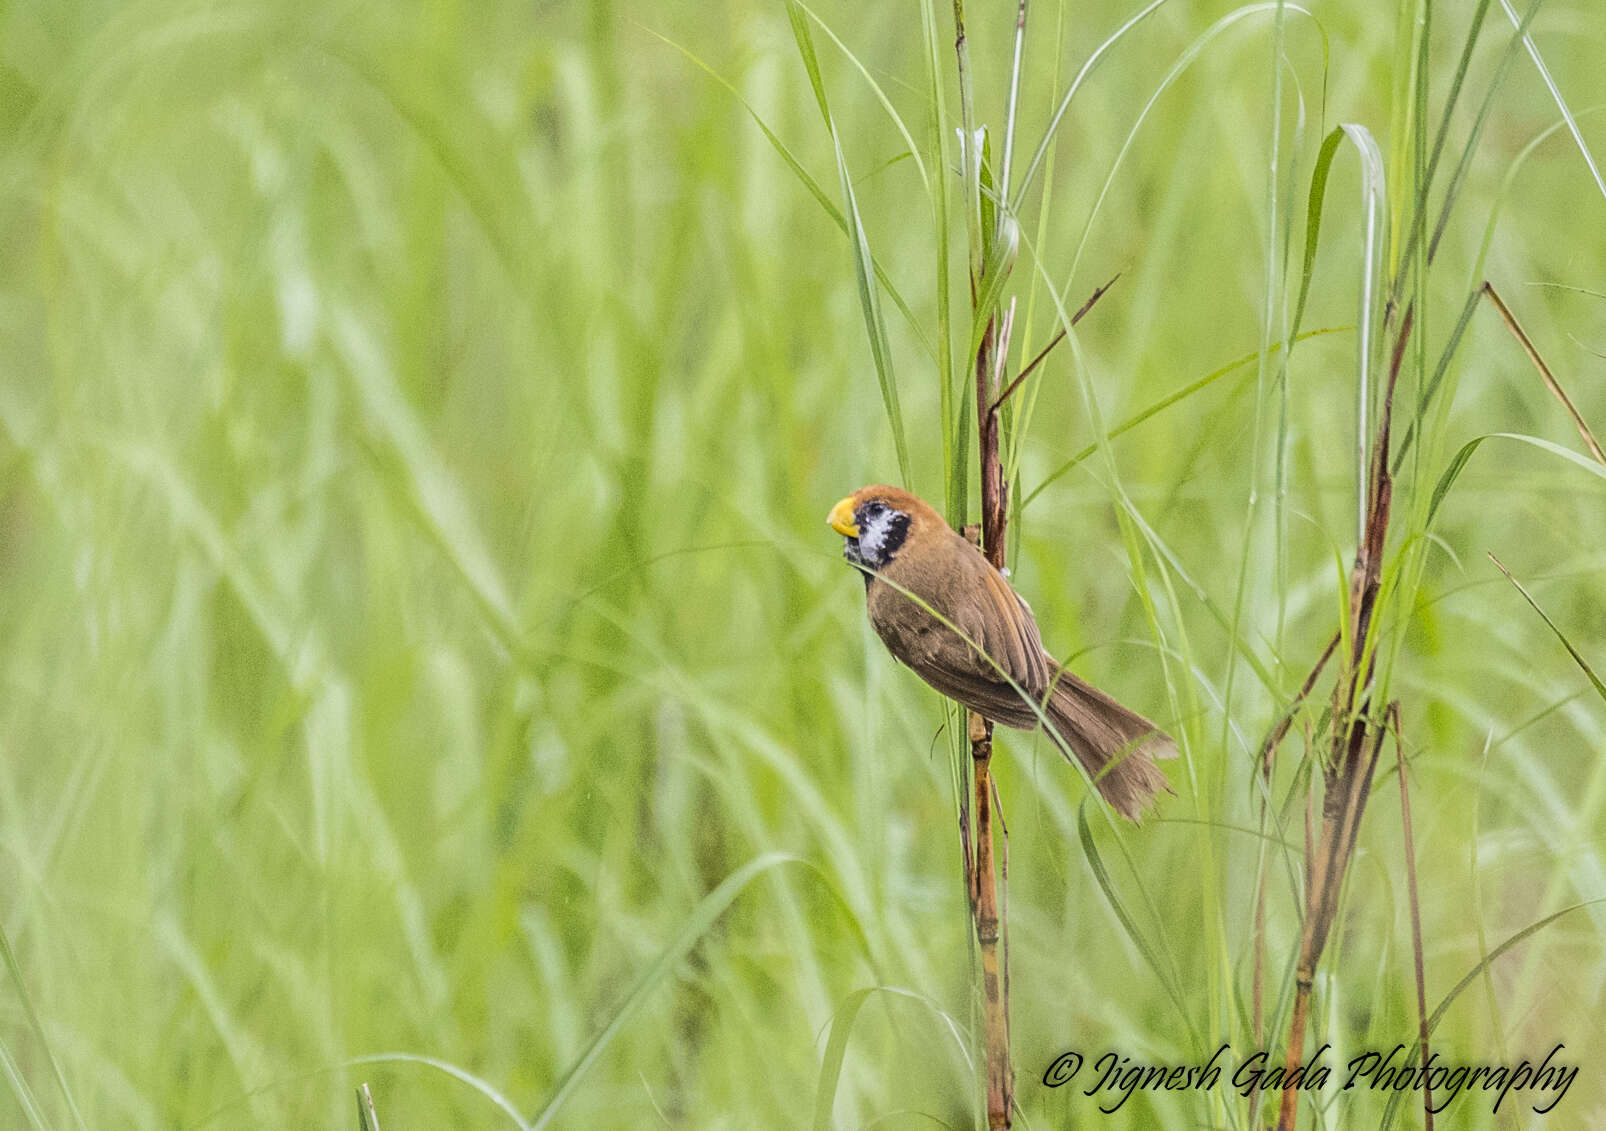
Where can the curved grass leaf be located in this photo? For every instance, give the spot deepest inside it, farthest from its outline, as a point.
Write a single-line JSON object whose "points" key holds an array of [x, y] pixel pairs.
{"points": [[863, 262], [1459, 461], [1313, 219], [703, 917], [875, 89], [1472, 976], [1374, 199], [1161, 405], [1088, 68], [1186, 59], [1168, 979], [836, 1047], [813, 187], [452, 1070]]}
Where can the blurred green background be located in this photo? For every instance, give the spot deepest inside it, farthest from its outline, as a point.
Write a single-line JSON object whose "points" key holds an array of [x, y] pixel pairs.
{"points": [[416, 426]]}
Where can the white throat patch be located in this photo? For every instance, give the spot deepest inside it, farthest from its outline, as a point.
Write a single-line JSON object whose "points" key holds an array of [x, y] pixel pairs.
{"points": [[881, 534]]}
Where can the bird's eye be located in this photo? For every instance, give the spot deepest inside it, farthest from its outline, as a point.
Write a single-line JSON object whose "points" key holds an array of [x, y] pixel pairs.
{"points": [[874, 509]]}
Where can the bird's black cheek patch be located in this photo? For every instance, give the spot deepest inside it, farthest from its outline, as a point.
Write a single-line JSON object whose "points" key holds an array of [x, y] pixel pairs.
{"points": [[897, 531]]}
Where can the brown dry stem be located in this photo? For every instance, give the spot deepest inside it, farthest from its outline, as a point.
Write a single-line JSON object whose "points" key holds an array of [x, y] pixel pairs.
{"points": [[1416, 917], [1357, 740], [986, 881], [1545, 374]]}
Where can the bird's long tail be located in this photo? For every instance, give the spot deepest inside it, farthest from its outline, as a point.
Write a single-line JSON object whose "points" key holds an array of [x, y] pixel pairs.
{"points": [[1118, 746]]}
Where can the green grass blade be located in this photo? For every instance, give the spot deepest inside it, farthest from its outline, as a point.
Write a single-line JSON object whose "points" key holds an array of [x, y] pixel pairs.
{"points": [[1454, 96], [1451, 473], [811, 61], [1474, 974], [1167, 977], [874, 324], [462, 1076], [703, 917], [14, 971], [1431, 389], [808, 182], [950, 385], [1161, 405], [1088, 68], [1555, 93], [836, 1046], [1464, 163], [835, 1050], [863, 261], [1578, 657], [875, 89], [1459, 461], [1313, 219]]}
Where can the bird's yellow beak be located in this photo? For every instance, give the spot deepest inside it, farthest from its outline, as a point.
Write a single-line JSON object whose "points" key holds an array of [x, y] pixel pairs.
{"points": [[841, 518]]}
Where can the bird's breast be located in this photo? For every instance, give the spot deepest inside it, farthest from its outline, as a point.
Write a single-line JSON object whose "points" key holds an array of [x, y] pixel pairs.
{"points": [[905, 622]]}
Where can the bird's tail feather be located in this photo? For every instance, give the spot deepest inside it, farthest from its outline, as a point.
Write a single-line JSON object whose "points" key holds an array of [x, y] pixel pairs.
{"points": [[1117, 746]]}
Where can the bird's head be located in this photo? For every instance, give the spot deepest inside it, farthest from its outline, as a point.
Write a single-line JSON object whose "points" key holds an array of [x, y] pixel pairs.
{"points": [[876, 521]]}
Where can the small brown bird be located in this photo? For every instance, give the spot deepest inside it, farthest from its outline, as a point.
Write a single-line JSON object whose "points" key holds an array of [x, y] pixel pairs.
{"points": [[941, 608]]}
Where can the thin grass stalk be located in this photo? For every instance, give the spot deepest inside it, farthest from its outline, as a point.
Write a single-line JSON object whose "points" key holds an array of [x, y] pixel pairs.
{"points": [[1266, 760], [969, 149], [995, 1005], [1014, 102], [1397, 287], [1346, 788], [1356, 743], [1003, 892], [14, 969], [989, 352], [1578, 657], [1545, 374], [989, 891], [967, 850], [1416, 919], [1042, 354], [367, 1117]]}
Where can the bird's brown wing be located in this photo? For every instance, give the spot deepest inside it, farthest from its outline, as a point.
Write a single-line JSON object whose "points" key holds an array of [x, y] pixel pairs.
{"points": [[1008, 633], [989, 616]]}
